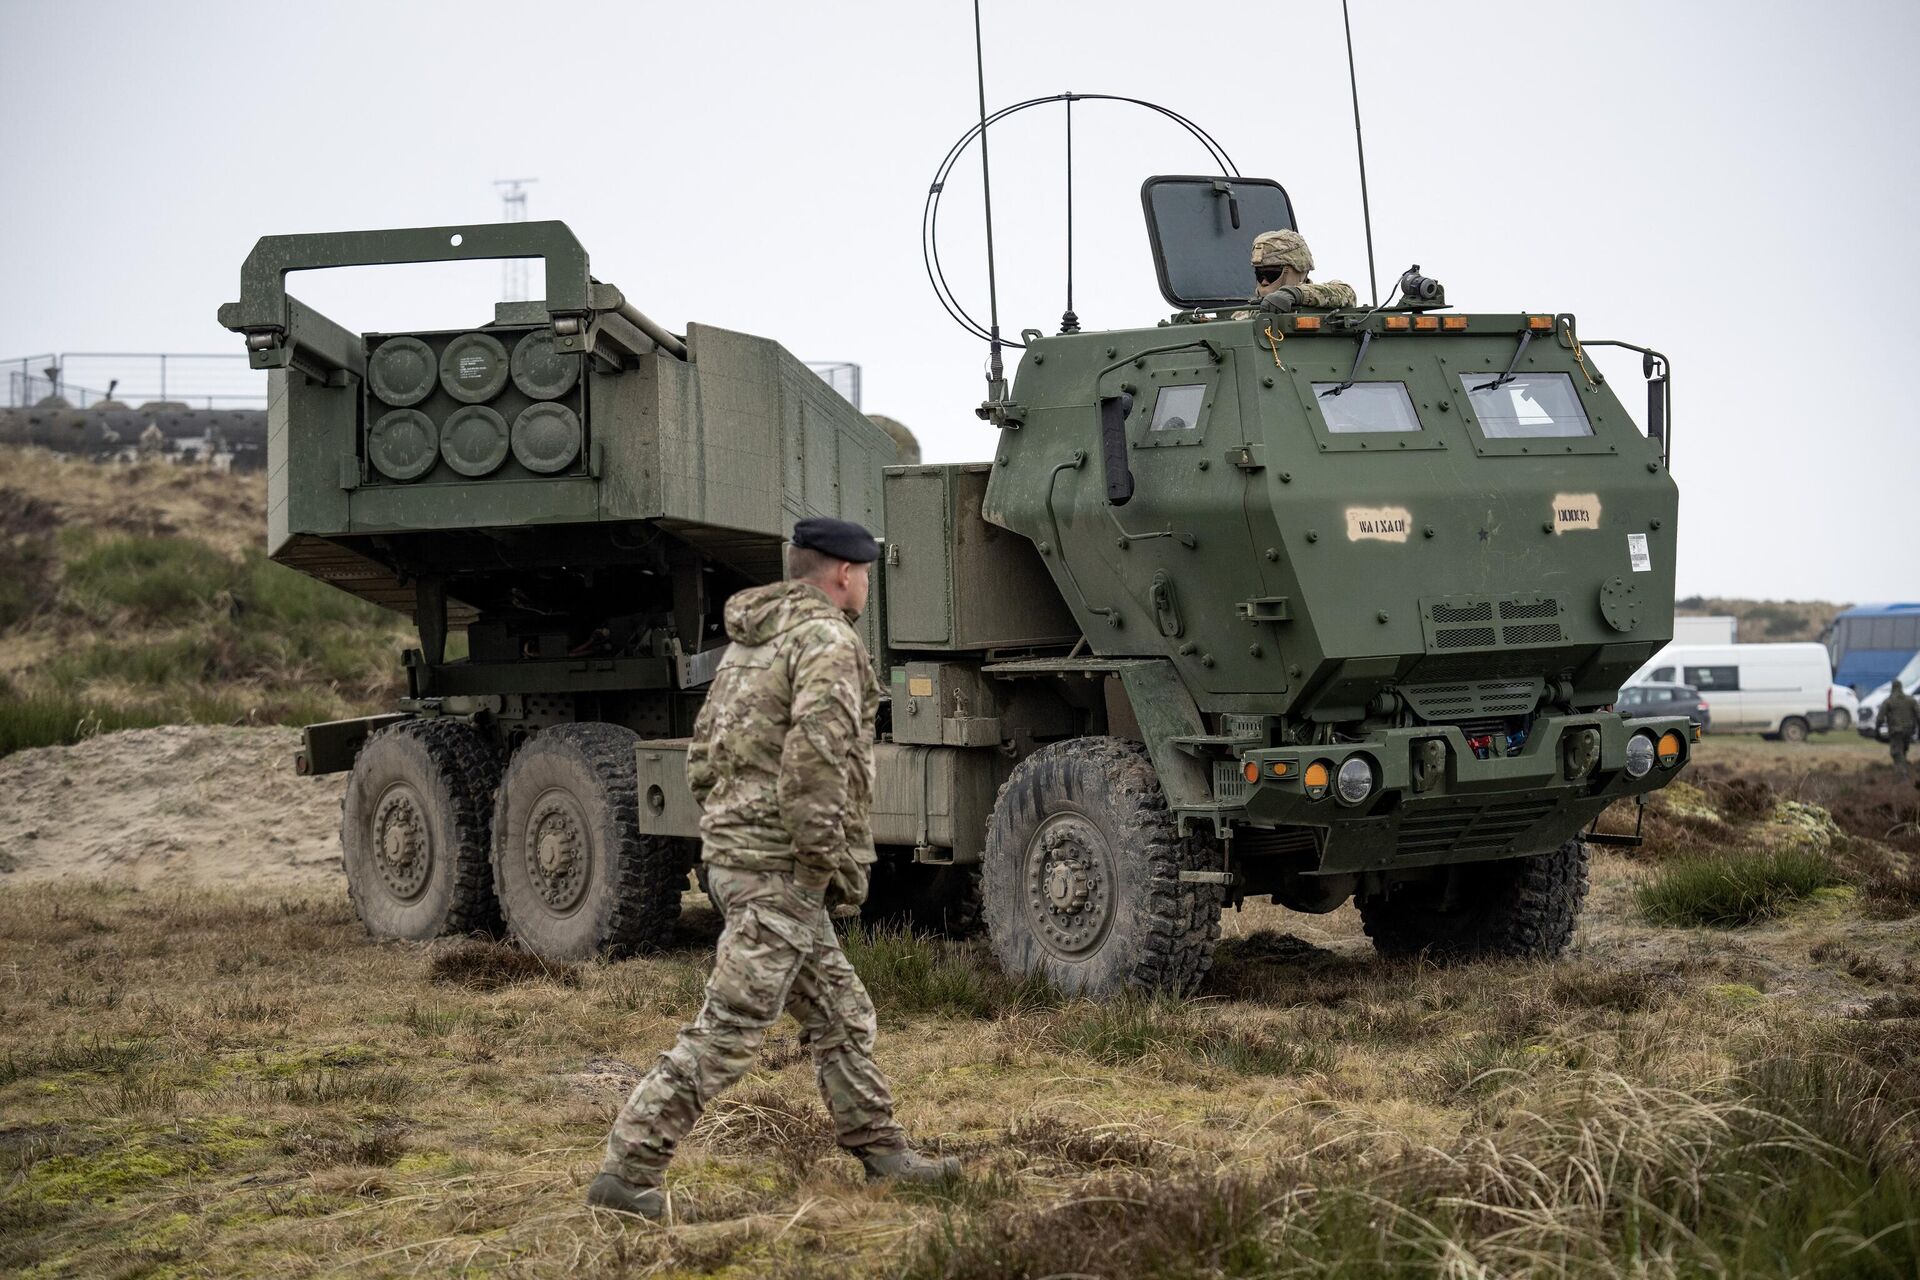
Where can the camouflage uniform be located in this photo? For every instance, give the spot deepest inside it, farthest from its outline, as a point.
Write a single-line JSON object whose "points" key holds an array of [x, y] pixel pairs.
{"points": [[1289, 249], [782, 765], [1901, 715]]}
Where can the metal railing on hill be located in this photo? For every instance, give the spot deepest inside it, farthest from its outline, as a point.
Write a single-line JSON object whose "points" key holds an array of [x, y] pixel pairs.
{"points": [[204, 380]]}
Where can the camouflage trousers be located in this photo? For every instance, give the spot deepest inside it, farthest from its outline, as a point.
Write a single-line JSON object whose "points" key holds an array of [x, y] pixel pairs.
{"points": [[777, 952], [1897, 747]]}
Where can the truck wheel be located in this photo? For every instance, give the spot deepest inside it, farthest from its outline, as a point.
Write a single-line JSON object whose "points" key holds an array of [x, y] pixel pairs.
{"points": [[1081, 879], [943, 901], [575, 876], [1842, 720], [1793, 729], [1518, 907], [414, 831]]}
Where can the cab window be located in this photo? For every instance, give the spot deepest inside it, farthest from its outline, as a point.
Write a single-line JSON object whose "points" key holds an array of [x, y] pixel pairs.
{"points": [[1526, 406], [1357, 407], [1178, 408], [1716, 679]]}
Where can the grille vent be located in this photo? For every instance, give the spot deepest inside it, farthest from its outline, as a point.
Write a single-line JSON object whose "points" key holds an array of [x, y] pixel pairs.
{"points": [[1472, 700], [1229, 787], [1533, 633], [1462, 637], [1466, 622], [1490, 828]]}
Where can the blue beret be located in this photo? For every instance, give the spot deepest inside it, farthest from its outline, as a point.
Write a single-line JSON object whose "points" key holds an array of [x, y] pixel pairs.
{"points": [[841, 539]]}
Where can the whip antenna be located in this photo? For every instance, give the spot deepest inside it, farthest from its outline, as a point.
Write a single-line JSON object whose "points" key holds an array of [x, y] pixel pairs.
{"points": [[1366, 210], [996, 375]]}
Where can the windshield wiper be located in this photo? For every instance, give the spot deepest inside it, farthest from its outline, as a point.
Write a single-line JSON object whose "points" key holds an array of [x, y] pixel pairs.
{"points": [[1526, 336], [1366, 336]]}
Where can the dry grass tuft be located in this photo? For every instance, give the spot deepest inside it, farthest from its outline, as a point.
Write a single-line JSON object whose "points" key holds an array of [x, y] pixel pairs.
{"points": [[483, 965]]}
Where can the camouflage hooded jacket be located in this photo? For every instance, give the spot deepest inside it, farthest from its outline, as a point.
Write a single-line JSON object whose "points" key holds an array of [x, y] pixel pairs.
{"points": [[782, 754]]}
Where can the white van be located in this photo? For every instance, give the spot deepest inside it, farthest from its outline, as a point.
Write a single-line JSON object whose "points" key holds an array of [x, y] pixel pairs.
{"points": [[1782, 690]]}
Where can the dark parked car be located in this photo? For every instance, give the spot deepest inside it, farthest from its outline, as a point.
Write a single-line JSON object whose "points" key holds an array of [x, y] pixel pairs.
{"points": [[1666, 700]]}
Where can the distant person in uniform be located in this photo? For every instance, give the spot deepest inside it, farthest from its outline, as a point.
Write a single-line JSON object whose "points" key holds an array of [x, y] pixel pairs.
{"points": [[1281, 266], [781, 763], [1902, 717]]}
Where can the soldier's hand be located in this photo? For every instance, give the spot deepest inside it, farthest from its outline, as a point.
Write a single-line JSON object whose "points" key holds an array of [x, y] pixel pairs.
{"points": [[1285, 298], [848, 888], [809, 898]]}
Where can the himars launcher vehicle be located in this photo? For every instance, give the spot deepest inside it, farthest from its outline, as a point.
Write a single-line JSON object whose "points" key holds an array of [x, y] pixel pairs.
{"points": [[1323, 606]]}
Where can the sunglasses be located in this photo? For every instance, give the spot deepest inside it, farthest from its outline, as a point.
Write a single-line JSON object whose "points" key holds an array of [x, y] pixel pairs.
{"points": [[1267, 275]]}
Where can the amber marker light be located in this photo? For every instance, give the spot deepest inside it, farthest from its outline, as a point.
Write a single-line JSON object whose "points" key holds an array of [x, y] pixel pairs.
{"points": [[1250, 771], [1453, 322], [1280, 768], [1538, 323], [1426, 324], [1319, 775], [1669, 752], [1307, 323], [1397, 322]]}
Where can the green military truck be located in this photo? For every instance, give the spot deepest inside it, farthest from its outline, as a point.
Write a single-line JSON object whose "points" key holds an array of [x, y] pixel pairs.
{"points": [[1326, 606]]}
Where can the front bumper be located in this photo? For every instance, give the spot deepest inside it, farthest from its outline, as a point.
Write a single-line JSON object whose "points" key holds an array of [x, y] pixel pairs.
{"points": [[1431, 806]]}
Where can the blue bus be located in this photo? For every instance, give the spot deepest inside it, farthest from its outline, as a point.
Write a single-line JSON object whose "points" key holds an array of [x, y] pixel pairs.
{"points": [[1870, 643]]}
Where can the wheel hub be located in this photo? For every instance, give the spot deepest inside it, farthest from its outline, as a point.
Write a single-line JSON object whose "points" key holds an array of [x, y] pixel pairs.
{"points": [[403, 842], [557, 851], [1069, 885]]}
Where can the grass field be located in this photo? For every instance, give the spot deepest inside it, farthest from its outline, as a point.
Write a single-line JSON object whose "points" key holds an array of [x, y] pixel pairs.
{"points": [[209, 1083]]}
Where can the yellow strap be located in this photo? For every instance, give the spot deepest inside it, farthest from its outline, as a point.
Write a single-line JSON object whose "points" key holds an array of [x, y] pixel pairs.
{"points": [[1273, 342], [1580, 357]]}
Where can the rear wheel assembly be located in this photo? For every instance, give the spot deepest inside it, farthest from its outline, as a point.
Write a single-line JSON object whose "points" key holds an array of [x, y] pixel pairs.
{"points": [[1081, 879], [414, 831], [574, 875], [1523, 908]]}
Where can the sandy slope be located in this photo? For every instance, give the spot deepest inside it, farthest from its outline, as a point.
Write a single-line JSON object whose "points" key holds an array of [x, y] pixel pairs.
{"points": [[177, 805]]}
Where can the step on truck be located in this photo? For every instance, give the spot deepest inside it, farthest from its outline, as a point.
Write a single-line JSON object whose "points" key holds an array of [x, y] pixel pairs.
{"points": [[1323, 606]]}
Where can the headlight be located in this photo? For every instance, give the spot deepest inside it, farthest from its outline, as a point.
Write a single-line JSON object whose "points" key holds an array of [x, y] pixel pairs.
{"points": [[1639, 755], [1355, 781]]}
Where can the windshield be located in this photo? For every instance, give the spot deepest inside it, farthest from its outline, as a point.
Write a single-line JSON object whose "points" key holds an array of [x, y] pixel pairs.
{"points": [[1525, 406], [1366, 406]]}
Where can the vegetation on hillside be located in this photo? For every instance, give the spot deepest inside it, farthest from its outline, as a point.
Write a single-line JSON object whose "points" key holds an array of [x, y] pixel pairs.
{"points": [[1766, 621], [128, 617]]}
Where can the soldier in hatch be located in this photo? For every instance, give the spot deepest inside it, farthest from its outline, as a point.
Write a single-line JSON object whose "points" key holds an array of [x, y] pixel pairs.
{"points": [[782, 765], [1901, 715], [1281, 263]]}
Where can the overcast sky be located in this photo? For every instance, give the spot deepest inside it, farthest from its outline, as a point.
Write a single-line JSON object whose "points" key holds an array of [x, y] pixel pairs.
{"points": [[1732, 183]]}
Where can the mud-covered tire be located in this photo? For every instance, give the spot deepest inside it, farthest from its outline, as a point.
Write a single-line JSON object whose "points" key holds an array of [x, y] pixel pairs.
{"points": [[574, 875], [939, 900], [415, 831], [1519, 908], [1083, 825]]}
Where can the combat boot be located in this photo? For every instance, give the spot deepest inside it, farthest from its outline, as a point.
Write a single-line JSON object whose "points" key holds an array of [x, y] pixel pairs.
{"points": [[908, 1165], [611, 1191]]}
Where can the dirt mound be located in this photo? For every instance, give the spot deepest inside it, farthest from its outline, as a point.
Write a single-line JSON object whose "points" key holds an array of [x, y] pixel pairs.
{"points": [[176, 805]]}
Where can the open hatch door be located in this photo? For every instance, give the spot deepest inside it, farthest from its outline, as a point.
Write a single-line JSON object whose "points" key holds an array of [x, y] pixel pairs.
{"points": [[1202, 231]]}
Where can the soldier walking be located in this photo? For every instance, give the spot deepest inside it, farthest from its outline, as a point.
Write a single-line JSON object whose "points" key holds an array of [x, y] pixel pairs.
{"points": [[782, 765], [1902, 717]]}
